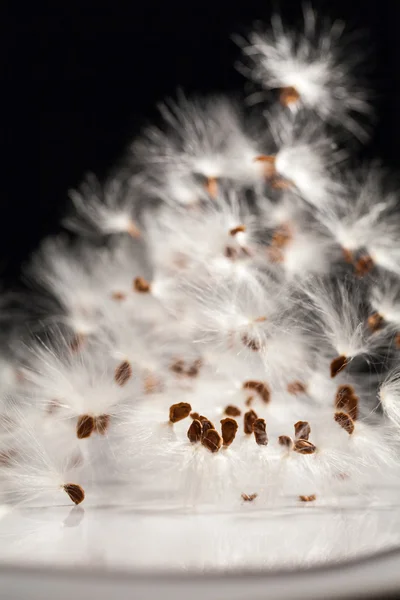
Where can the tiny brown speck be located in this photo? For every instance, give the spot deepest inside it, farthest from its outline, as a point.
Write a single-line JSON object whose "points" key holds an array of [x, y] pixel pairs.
{"points": [[338, 364], [308, 498], [289, 95], [123, 373], [375, 322], [231, 253], [304, 447], [118, 296], [238, 229], [260, 388], [302, 430], [260, 432], [178, 366], [229, 429], [195, 432], [249, 497], [345, 421], [212, 440], [101, 423], [179, 411], [85, 427], [285, 441], [251, 343], [249, 419], [141, 285], [75, 492], [233, 411], [296, 387]]}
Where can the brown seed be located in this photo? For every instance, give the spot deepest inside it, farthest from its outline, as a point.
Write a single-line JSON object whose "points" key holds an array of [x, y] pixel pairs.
{"points": [[231, 253], [118, 296], [101, 423], [282, 236], [179, 411], [232, 411], [304, 447], [238, 229], [296, 387], [345, 421], [289, 95], [195, 415], [249, 419], [260, 432], [302, 430], [77, 342], [347, 400], [229, 429], [212, 187], [269, 165], [375, 322], [338, 364], [363, 265], [249, 497], [260, 388], [85, 427], [133, 230], [212, 440], [195, 432], [308, 498], [75, 492], [123, 373], [285, 441], [141, 285], [251, 343]]}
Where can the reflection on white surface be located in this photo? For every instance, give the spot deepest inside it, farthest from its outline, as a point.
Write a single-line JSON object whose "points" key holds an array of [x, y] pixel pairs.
{"points": [[107, 533]]}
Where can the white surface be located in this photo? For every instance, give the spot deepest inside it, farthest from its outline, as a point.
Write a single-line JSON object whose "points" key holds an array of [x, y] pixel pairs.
{"points": [[144, 549]]}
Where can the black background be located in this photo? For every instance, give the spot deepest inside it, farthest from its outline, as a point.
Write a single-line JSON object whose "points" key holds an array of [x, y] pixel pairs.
{"points": [[79, 80]]}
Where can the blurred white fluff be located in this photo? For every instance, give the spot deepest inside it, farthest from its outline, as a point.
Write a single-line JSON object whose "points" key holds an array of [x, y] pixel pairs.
{"points": [[311, 68], [226, 331]]}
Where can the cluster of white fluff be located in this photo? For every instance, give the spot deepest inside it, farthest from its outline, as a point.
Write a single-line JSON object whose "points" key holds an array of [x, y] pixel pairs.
{"points": [[224, 326]]}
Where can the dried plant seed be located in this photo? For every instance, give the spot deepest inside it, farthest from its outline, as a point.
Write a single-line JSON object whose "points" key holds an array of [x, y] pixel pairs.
{"points": [[195, 415], [238, 229], [308, 498], [179, 411], [212, 440], [101, 423], [345, 421], [285, 441], [229, 429], [232, 411], [249, 419], [304, 447], [363, 265], [338, 364], [75, 492], [249, 497], [195, 432], [260, 388], [123, 373], [375, 322], [85, 427], [141, 285], [251, 343], [206, 425], [288, 96], [260, 432]]}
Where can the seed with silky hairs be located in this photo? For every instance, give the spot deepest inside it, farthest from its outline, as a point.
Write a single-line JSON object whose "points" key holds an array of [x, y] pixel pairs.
{"points": [[304, 447], [338, 364], [123, 373], [269, 163], [251, 343], [289, 95], [302, 430], [249, 419], [75, 492], [195, 432], [375, 322], [364, 265], [260, 432], [141, 285], [347, 401], [212, 440], [260, 388], [179, 411], [85, 427], [345, 421], [238, 229], [229, 429]]}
